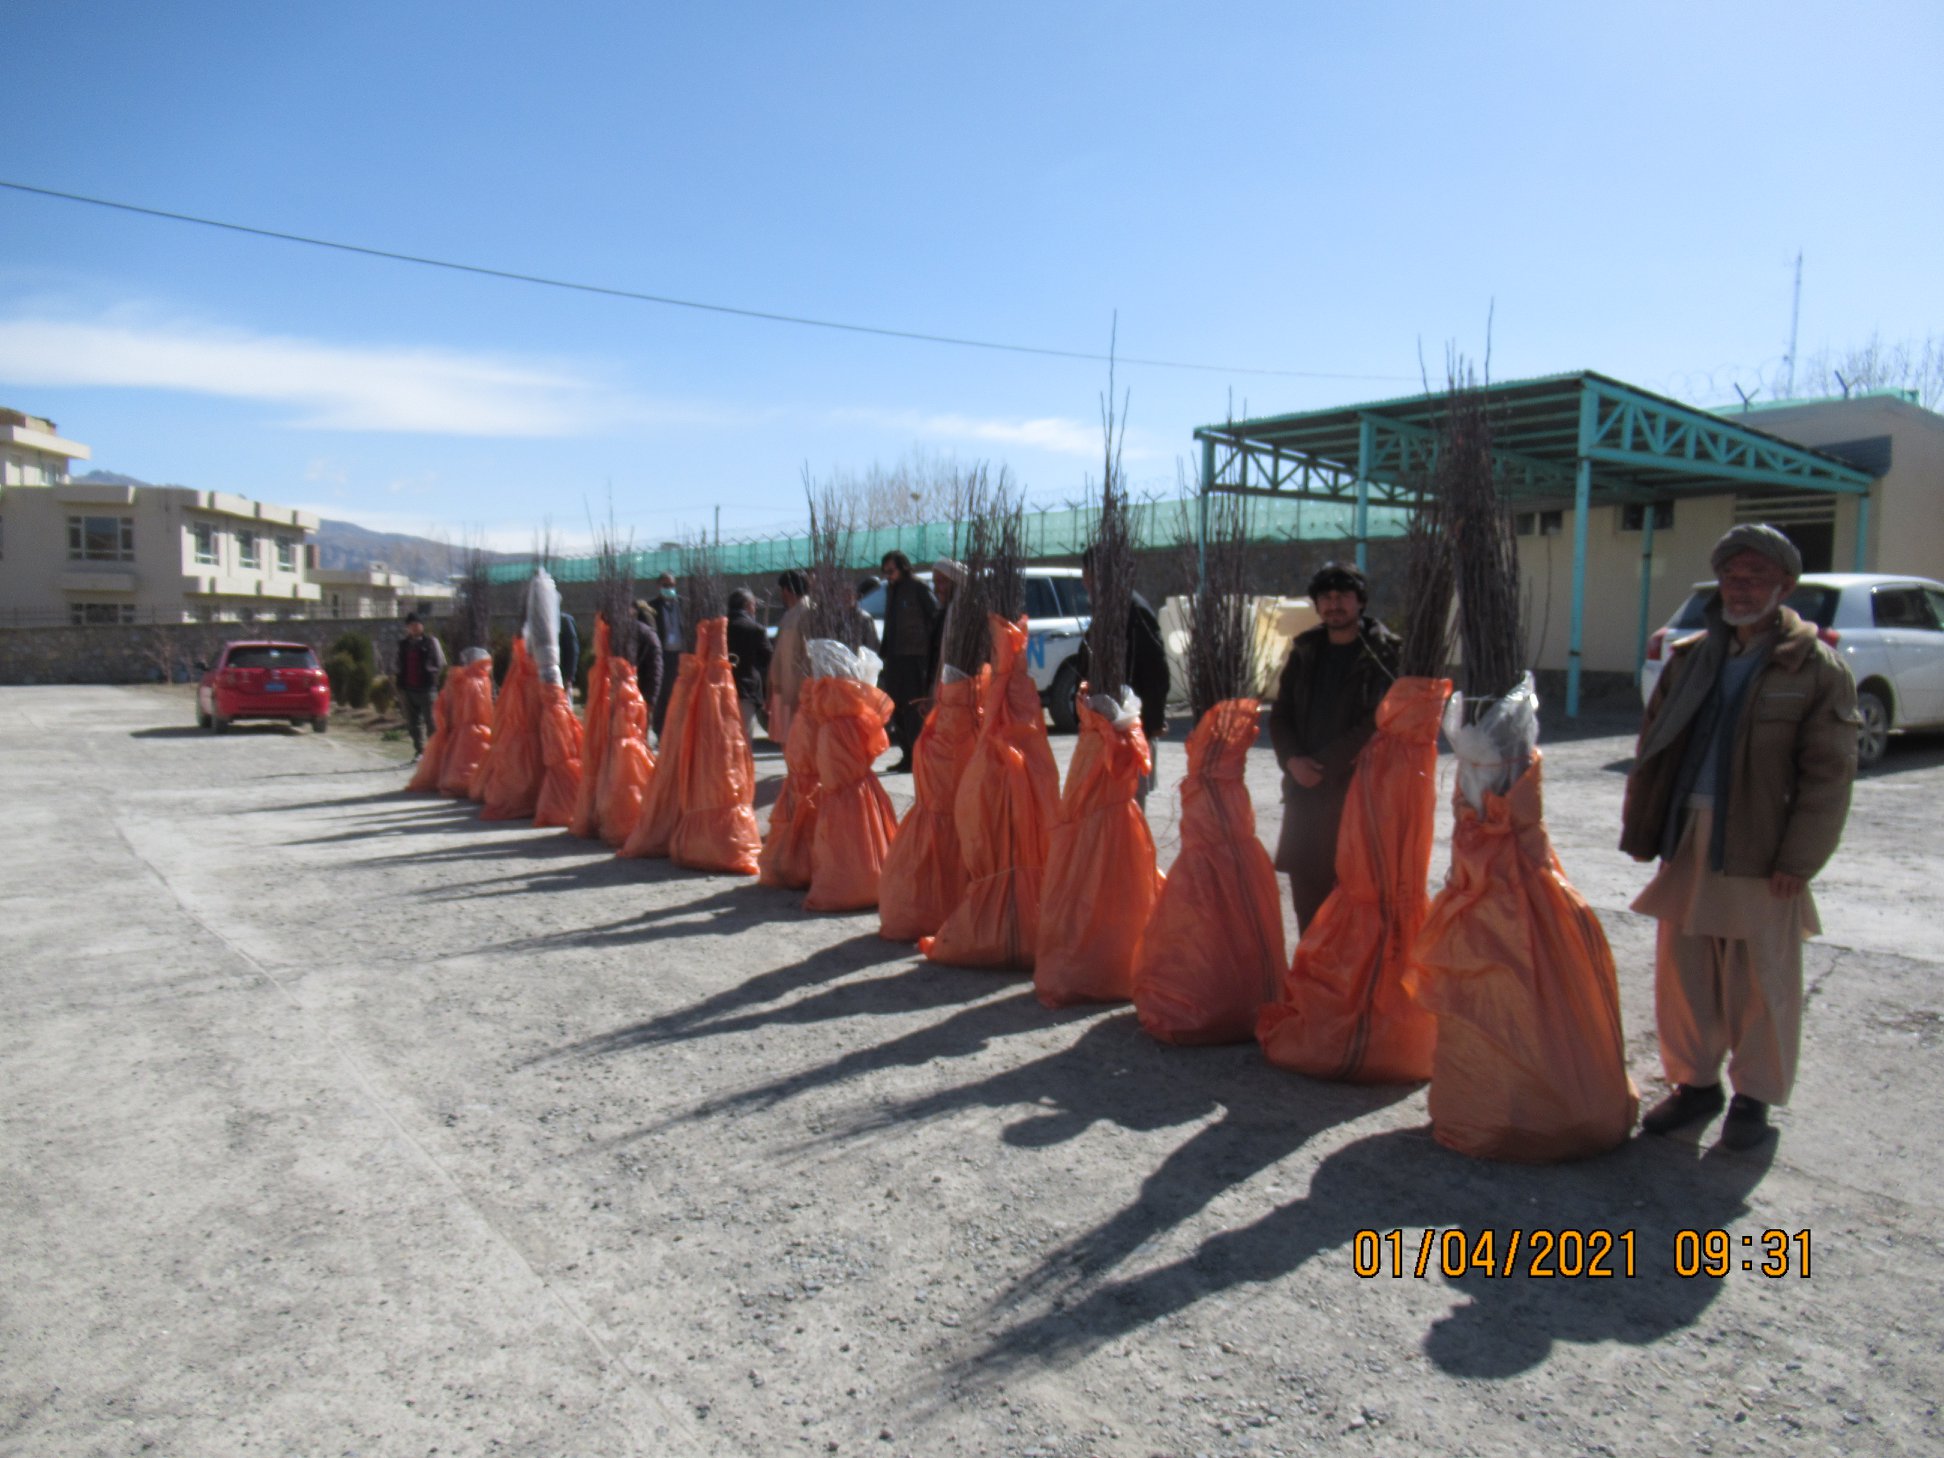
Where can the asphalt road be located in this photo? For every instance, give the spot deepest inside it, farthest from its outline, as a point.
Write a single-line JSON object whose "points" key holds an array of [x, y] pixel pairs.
{"points": [[338, 1122]]}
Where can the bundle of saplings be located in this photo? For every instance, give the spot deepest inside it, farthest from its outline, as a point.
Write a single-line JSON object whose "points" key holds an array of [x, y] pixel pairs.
{"points": [[1213, 952], [1530, 1063], [1101, 880]]}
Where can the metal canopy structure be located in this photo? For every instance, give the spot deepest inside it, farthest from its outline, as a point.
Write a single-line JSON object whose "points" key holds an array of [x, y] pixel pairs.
{"points": [[1563, 441]]}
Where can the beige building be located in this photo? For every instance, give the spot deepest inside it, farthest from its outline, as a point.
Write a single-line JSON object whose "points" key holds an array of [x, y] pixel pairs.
{"points": [[378, 592], [85, 552], [1886, 434]]}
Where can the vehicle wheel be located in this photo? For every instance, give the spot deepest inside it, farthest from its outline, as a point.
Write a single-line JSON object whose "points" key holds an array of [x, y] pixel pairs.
{"points": [[1060, 699], [1874, 737], [320, 724]]}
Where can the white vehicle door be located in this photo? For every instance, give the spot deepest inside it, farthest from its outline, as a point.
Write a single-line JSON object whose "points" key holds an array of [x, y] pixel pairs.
{"points": [[1910, 627]]}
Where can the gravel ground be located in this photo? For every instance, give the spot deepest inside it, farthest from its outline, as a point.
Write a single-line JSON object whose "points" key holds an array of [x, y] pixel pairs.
{"points": [[339, 1122]]}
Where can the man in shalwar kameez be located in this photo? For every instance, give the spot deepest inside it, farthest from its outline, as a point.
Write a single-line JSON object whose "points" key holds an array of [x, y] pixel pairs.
{"points": [[1741, 785]]}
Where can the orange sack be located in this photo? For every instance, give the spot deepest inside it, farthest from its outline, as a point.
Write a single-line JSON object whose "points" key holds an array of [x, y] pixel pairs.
{"points": [[717, 830], [560, 756], [586, 821], [855, 821], [426, 776], [502, 707], [924, 872], [1344, 1013], [510, 786], [1512, 962], [1101, 883], [785, 858], [623, 782], [1213, 953], [470, 724], [661, 805], [1005, 807]]}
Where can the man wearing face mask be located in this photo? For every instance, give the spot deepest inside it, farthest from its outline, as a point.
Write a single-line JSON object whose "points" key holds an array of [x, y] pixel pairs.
{"points": [[669, 625], [1741, 785]]}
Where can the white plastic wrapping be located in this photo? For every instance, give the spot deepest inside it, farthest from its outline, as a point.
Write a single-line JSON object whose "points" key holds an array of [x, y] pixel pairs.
{"points": [[1495, 751], [473, 655], [1120, 712], [949, 674], [831, 659], [542, 629]]}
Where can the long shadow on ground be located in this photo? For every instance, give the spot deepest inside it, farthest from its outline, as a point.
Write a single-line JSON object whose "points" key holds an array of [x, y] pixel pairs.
{"points": [[1402, 1180], [729, 1010]]}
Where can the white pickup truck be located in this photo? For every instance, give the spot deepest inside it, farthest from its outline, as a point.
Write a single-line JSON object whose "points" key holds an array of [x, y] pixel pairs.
{"points": [[1057, 611]]}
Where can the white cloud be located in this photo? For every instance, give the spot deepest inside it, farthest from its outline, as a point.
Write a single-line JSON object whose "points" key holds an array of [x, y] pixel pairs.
{"points": [[332, 387], [1054, 434]]}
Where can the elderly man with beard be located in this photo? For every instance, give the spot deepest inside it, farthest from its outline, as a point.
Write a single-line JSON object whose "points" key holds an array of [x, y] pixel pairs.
{"points": [[1741, 784], [1325, 712]]}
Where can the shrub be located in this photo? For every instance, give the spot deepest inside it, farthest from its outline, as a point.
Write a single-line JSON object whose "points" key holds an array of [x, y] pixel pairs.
{"points": [[350, 679], [357, 646], [382, 694]]}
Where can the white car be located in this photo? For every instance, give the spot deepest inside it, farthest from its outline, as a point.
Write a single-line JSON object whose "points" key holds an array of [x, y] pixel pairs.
{"points": [[1057, 613], [1888, 628]]}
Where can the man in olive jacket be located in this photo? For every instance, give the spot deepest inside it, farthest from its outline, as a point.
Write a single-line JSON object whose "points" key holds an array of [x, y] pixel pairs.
{"points": [[1741, 785], [1324, 714]]}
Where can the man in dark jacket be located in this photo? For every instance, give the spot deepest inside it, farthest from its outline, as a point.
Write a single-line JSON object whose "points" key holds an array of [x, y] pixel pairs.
{"points": [[416, 671], [910, 613], [674, 642], [1147, 658], [648, 654], [1325, 712], [749, 659]]}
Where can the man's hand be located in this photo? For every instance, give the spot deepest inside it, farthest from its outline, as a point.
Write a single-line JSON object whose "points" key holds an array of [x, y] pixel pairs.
{"points": [[1782, 885], [1305, 771]]}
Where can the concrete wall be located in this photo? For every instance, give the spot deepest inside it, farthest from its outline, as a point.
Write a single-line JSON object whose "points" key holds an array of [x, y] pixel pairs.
{"points": [[1907, 506]]}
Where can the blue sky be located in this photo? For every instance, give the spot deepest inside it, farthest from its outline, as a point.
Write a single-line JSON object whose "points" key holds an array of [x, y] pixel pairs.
{"points": [[1310, 188]]}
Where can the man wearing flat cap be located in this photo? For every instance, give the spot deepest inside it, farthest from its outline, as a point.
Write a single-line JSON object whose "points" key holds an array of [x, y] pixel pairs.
{"points": [[1740, 785]]}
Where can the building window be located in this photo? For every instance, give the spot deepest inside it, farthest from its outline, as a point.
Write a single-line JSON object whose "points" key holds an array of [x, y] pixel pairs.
{"points": [[1539, 523], [205, 537], [1633, 516], [247, 551], [100, 614], [101, 539], [286, 555]]}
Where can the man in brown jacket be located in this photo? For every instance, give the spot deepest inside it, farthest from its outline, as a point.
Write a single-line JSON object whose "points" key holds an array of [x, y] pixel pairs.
{"points": [[1741, 784], [1325, 712]]}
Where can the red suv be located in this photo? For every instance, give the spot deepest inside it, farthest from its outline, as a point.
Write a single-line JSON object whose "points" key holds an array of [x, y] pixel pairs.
{"points": [[262, 680]]}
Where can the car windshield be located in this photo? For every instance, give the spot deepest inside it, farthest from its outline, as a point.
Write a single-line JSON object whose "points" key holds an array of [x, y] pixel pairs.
{"points": [[1812, 603], [271, 658], [1073, 593]]}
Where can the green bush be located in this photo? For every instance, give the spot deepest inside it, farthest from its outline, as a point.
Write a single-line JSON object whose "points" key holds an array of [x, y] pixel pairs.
{"points": [[382, 695], [357, 646], [350, 680]]}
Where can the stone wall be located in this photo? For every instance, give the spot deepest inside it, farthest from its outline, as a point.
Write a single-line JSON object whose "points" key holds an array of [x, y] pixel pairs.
{"points": [[165, 653]]}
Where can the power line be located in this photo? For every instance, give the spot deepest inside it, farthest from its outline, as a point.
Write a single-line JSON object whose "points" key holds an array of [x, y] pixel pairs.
{"points": [[672, 302]]}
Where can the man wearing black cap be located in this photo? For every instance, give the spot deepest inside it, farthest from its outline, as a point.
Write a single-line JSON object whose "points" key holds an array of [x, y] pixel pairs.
{"points": [[415, 672], [1741, 785], [1324, 714]]}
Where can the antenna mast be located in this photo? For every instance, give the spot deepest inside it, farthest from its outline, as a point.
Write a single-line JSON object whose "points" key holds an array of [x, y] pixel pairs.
{"points": [[1795, 318]]}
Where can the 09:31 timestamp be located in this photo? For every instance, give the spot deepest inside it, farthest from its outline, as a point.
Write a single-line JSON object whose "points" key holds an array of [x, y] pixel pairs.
{"points": [[1716, 1253]]}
